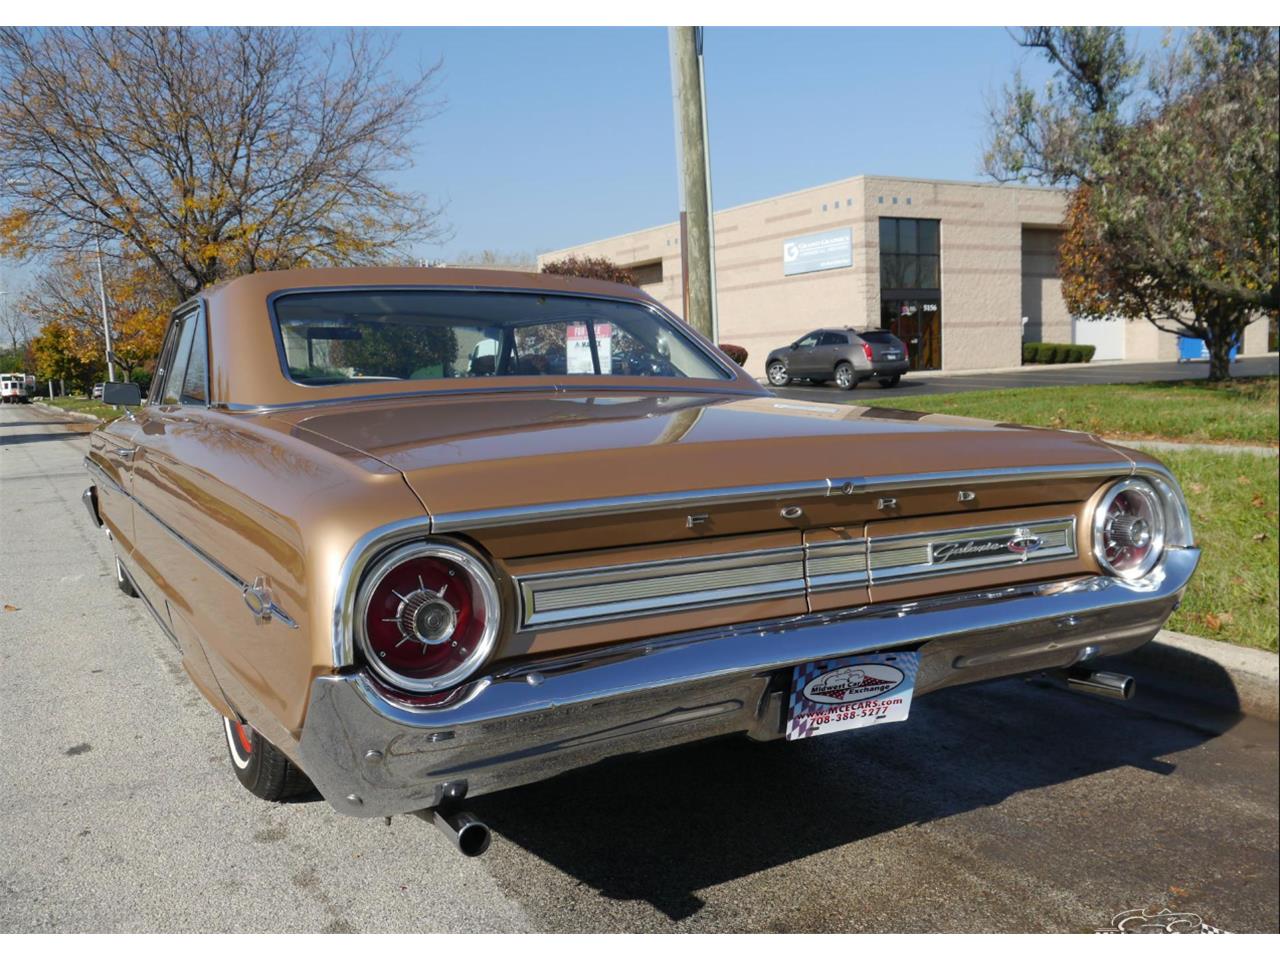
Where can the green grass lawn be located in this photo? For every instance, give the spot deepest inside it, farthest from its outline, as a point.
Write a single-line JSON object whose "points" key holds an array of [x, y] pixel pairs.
{"points": [[1237, 411], [1234, 595], [85, 405]]}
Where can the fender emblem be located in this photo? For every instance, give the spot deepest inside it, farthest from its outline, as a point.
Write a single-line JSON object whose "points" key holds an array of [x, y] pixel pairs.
{"points": [[257, 597]]}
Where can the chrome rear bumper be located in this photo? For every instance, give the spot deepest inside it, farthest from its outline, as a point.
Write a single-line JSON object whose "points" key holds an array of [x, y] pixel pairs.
{"points": [[371, 756]]}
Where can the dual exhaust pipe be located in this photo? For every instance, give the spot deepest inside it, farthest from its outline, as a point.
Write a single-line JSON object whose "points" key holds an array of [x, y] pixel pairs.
{"points": [[467, 834], [1101, 683]]}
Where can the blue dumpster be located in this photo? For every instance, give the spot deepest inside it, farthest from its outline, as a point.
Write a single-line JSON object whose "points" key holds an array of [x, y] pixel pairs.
{"points": [[1189, 348]]}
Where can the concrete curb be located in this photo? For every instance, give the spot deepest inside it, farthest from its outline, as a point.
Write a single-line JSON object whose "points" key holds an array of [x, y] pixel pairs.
{"points": [[1172, 446], [1222, 675], [69, 414]]}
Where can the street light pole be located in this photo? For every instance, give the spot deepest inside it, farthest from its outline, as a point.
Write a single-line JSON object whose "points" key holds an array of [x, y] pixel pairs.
{"points": [[106, 323]]}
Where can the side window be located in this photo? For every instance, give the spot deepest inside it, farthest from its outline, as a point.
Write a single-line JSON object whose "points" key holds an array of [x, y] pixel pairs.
{"points": [[178, 367], [194, 389], [833, 339], [156, 391], [810, 340]]}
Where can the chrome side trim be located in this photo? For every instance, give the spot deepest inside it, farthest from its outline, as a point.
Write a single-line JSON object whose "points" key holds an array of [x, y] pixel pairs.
{"points": [[687, 499], [605, 593], [241, 585], [914, 556]]}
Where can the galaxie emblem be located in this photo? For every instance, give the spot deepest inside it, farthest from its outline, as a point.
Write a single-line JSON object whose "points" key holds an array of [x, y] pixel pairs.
{"points": [[1023, 542], [849, 684]]}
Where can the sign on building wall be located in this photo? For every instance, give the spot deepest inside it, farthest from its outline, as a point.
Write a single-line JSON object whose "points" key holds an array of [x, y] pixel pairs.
{"points": [[817, 251]]}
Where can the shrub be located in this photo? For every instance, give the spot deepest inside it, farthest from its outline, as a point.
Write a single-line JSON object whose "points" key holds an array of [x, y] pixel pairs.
{"points": [[595, 268], [734, 352], [1035, 352]]}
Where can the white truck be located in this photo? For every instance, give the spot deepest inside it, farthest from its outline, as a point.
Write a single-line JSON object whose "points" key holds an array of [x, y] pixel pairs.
{"points": [[15, 388]]}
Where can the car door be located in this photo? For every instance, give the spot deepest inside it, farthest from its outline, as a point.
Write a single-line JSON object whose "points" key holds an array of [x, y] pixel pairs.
{"points": [[831, 349], [803, 360], [158, 550]]}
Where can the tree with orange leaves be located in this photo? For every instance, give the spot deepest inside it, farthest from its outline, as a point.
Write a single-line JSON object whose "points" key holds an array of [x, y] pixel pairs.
{"points": [[65, 296]]}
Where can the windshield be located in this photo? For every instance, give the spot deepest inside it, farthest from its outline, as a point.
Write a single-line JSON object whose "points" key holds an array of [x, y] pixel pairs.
{"points": [[361, 335]]}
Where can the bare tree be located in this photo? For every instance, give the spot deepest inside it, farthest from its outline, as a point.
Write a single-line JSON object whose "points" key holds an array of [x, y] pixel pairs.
{"points": [[209, 152]]}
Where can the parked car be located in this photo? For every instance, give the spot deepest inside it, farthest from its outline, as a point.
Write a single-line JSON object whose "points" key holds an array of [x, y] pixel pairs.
{"points": [[97, 391], [846, 356], [410, 589]]}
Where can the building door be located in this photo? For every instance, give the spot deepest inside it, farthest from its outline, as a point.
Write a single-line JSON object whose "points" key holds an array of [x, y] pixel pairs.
{"points": [[918, 324]]}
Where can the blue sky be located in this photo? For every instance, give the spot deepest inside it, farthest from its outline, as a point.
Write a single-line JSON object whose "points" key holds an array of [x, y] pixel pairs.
{"points": [[556, 136]]}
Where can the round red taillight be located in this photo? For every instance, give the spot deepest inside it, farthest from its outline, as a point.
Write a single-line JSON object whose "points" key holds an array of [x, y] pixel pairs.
{"points": [[426, 616], [1128, 529]]}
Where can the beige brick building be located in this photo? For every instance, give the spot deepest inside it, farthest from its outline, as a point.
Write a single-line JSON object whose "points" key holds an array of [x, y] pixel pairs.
{"points": [[958, 270]]}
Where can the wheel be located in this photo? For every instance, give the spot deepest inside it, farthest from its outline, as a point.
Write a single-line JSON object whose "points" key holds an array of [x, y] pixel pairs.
{"points": [[893, 381], [262, 769], [846, 379], [123, 582], [777, 374]]}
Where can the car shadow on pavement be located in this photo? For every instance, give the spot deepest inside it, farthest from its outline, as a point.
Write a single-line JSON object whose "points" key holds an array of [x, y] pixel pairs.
{"points": [[659, 827]]}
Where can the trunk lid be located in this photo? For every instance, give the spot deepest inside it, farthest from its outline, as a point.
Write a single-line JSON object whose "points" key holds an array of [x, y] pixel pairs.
{"points": [[701, 465]]}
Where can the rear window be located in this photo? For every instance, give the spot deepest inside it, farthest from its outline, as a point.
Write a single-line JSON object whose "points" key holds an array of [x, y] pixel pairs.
{"points": [[878, 336], [334, 337]]}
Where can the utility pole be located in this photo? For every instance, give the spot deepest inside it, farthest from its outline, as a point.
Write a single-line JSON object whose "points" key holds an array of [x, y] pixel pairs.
{"points": [[697, 240], [106, 323]]}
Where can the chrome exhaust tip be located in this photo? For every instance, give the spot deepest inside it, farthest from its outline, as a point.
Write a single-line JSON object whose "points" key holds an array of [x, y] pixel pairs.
{"points": [[468, 835], [1102, 683]]}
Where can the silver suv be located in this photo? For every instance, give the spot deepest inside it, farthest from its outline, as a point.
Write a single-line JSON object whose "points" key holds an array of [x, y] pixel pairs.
{"points": [[844, 355]]}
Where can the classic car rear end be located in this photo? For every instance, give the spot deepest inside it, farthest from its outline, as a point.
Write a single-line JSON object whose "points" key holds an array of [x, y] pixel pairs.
{"points": [[486, 528]]}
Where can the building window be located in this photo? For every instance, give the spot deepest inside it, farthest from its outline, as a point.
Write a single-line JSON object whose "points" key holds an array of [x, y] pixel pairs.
{"points": [[909, 257], [646, 274], [910, 275]]}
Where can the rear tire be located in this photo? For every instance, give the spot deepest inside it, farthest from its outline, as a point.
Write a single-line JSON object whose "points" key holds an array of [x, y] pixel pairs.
{"points": [[262, 769], [123, 582], [893, 381], [846, 378], [777, 374]]}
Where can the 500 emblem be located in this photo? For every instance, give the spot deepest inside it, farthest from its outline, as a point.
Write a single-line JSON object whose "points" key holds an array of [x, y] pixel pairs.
{"points": [[850, 684]]}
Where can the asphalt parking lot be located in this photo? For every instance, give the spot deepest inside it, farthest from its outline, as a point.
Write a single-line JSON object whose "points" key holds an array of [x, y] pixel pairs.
{"points": [[1015, 806], [1052, 375]]}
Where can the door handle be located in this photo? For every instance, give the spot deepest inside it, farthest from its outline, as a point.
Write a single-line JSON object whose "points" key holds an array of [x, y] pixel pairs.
{"points": [[125, 453]]}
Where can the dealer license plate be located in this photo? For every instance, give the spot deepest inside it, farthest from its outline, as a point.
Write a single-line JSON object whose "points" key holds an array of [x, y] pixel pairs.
{"points": [[832, 695]]}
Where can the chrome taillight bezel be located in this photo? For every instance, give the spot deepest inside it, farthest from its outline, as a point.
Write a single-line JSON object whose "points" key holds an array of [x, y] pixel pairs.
{"points": [[1144, 490], [486, 588]]}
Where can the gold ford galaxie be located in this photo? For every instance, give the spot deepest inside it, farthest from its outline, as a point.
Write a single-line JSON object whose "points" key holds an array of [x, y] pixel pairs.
{"points": [[421, 535]]}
